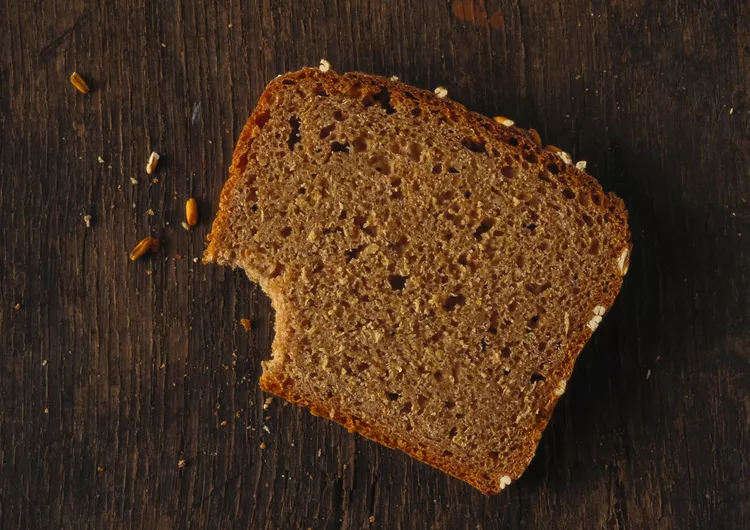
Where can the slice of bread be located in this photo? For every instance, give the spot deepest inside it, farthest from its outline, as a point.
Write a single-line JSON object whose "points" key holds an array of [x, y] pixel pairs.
{"points": [[435, 273]]}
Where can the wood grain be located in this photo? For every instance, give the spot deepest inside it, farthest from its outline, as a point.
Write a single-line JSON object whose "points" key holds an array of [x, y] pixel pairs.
{"points": [[112, 372]]}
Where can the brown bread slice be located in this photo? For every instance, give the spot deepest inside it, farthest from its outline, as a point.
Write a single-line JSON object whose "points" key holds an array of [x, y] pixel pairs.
{"points": [[434, 273]]}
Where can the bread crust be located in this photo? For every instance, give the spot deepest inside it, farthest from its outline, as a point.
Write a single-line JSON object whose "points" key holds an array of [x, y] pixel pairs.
{"points": [[516, 137]]}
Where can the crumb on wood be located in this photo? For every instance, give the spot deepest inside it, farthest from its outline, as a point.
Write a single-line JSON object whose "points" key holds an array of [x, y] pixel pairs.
{"points": [[17, 307], [181, 464], [87, 220], [100, 469], [372, 518], [246, 323], [223, 423], [263, 446]]}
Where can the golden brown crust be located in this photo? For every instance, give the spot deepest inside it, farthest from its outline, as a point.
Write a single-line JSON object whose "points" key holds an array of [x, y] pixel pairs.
{"points": [[520, 139]]}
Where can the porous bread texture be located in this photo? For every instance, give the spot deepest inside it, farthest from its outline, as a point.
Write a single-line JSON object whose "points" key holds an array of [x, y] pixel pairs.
{"points": [[435, 274]]}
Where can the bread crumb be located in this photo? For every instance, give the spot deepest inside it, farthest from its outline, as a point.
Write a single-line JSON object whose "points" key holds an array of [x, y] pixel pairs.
{"points": [[181, 464], [600, 310], [87, 220], [150, 212], [133, 180], [100, 159], [372, 518], [324, 65], [441, 92], [504, 481], [560, 388], [265, 428], [224, 422], [581, 165], [100, 469], [185, 225], [648, 374], [245, 322], [153, 161], [565, 157], [731, 111], [594, 322], [394, 78], [263, 446], [17, 307], [44, 362], [46, 410]]}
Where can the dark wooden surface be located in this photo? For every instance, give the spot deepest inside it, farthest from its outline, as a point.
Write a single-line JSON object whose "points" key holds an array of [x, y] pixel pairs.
{"points": [[111, 372]]}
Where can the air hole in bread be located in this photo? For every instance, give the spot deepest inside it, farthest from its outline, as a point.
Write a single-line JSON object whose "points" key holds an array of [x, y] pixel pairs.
{"points": [[453, 170], [397, 282], [319, 91], [354, 253], [392, 396], [360, 144], [594, 248], [294, 135], [416, 111], [552, 168], [262, 118], [453, 432], [339, 115], [278, 270], [453, 302], [536, 378], [415, 152], [538, 288], [406, 408], [533, 322], [326, 131], [285, 232], [530, 157], [475, 146], [381, 98], [484, 227], [338, 147], [509, 172], [437, 169], [568, 193], [355, 91], [381, 163]]}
